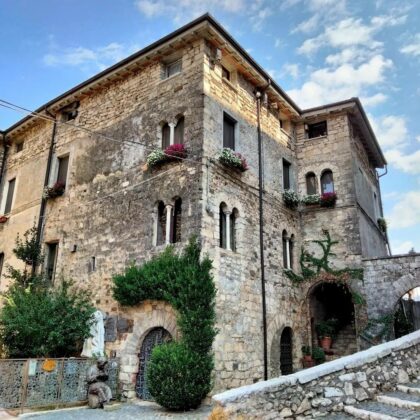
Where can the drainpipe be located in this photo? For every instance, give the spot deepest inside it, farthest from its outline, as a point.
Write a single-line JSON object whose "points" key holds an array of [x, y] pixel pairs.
{"points": [[3, 161], [258, 96], [46, 180]]}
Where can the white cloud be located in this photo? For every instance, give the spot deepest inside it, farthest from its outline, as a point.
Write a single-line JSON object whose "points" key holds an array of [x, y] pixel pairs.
{"points": [[373, 100], [291, 70], [328, 85], [409, 163], [399, 248], [413, 48], [100, 57], [308, 25], [418, 138], [406, 212], [391, 130]]}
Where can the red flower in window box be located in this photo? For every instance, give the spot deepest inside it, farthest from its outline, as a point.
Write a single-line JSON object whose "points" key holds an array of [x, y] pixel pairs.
{"points": [[3, 219], [328, 199], [176, 151], [56, 190]]}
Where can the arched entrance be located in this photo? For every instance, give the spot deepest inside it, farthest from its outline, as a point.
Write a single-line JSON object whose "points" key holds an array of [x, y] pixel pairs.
{"points": [[153, 338], [286, 354], [332, 303], [407, 313]]}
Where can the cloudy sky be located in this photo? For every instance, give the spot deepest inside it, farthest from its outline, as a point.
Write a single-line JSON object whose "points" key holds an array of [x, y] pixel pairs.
{"points": [[319, 51]]}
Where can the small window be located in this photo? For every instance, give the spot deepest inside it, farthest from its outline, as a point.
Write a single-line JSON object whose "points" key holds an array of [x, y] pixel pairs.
{"points": [[63, 166], [69, 112], [9, 196], [291, 250], [311, 183], [166, 136], [233, 219], [327, 182], [317, 130], [285, 241], [19, 146], [52, 249], [228, 132], [179, 132], [222, 225], [176, 226], [286, 175], [173, 68], [1, 262], [161, 223], [225, 73]]}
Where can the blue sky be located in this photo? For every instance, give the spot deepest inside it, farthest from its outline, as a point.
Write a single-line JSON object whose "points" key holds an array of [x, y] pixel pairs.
{"points": [[319, 51]]}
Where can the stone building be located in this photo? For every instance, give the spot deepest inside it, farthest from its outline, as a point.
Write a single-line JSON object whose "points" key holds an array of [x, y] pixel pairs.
{"points": [[197, 86]]}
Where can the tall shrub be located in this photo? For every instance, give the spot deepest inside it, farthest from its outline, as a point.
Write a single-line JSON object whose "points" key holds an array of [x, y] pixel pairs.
{"points": [[179, 374]]}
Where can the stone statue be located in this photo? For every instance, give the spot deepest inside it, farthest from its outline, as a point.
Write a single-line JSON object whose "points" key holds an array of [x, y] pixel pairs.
{"points": [[95, 344], [99, 393]]}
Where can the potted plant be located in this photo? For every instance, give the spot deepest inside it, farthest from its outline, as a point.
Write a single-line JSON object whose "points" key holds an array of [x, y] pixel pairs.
{"points": [[158, 156], [290, 199], [318, 355], [56, 190], [311, 200], [382, 224], [176, 151], [328, 199], [326, 331], [232, 159], [307, 357], [3, 219]]}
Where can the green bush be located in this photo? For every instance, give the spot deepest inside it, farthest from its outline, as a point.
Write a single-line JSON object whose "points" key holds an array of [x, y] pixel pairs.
{"points": [[186, 283], [37, 322], [178, 377]]}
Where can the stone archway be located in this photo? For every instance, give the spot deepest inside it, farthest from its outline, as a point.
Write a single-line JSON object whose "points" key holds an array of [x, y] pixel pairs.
{"points": [[407, 313], [154, 337], [329, 301]]}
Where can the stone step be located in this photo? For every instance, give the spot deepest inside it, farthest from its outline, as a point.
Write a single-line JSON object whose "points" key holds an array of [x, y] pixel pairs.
{"points": [[409, 388], [398, 402], [360, 413], [403, 396], [373, 410]]}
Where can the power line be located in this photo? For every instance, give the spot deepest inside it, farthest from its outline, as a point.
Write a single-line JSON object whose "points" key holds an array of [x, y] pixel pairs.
{"points": [[17, 108]]}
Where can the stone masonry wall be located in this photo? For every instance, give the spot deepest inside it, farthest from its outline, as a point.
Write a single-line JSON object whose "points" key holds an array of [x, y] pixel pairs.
{"points": [[326, 388]]}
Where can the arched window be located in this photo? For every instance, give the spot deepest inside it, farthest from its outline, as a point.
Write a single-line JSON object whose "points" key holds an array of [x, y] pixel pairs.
{"points": [[179, 132], [327, 182], [233, 219], [285, 241], [161, 223], [166, 136], [222, 225], [291, 250], [176, 231], [310, 183]]}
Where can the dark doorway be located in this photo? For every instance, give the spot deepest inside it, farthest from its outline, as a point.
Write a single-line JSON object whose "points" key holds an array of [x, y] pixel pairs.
{"points": [[153, 338], [286, 353], [407, 313]]}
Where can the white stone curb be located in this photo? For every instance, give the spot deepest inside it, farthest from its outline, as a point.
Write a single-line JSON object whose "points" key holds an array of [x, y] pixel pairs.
{"points": [[366, 415], [398, 402]]}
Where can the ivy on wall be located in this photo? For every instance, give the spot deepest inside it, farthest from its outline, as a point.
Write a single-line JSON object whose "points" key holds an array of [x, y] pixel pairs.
{"points": [[320, 269], [179, 373]]}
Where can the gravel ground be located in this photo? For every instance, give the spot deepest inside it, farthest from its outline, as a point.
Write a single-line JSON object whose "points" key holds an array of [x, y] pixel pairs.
{"points": [[138, 410]]}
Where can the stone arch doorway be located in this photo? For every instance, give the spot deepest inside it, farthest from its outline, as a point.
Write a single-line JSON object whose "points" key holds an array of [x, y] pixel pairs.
{"points": [[286, 351], [329, 301], [407, 313], [153, 338]]}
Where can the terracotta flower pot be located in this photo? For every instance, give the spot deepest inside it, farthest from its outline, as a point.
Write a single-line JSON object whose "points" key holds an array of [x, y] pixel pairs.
{"points": [[307, 358], [326, 343], [308, 363], [3, 219]]}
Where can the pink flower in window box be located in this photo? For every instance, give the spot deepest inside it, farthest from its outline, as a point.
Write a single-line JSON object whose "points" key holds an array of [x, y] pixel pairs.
{"points": [[176, 151], [328, 199]]}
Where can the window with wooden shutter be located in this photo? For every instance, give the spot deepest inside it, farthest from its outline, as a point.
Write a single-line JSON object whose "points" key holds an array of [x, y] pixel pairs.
{"points": [[310, 183], [52, 249], [166, 135], [286, 175], [327, 182], [229, 132], [179, 132], [9, 197], [63, 166]]}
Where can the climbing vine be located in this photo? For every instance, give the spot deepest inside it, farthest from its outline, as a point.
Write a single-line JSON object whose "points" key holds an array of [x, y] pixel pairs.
{"points": [[179, 373], [313, 267]]}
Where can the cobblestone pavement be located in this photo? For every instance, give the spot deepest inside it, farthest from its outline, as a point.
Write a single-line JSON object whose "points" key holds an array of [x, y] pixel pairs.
{"points": [[128, 411]]}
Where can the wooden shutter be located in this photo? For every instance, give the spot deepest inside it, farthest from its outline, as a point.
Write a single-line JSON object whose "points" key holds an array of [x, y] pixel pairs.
{"points": [[179, 132], [229, 132], [310, 184], [63, 166], [9, 198], [222, 226], [286, 175], [166, 133]]}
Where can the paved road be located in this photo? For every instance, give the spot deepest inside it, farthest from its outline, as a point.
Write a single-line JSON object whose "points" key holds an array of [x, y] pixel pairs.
{"points": [[137, 410]]}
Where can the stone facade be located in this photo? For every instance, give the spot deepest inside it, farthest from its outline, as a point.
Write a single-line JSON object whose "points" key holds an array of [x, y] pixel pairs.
{"points": [[108, 214]]}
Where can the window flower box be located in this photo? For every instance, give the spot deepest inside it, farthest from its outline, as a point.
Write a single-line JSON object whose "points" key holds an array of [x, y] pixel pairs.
{"points": [[328, 199], [174, 152], [57, 190], [311, 200], [233, 160], [382, 224], [290, 199], [3, 219]]}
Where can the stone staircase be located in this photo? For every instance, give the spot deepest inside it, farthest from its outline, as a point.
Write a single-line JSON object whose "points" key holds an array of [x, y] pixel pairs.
{"points": [[345, 343], [401, 404]]}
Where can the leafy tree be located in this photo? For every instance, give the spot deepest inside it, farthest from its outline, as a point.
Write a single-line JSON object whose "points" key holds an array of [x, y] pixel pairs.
{"points": [[179, 374]]}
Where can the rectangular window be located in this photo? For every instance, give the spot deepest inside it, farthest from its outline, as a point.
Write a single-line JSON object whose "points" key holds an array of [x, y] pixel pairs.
{"points": [[19, 146], [1, 262], [9, 197], [63, 166], [173, 68], [317, 130], [52, 249], [225, 73], [286, 175], [229, 132]]}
